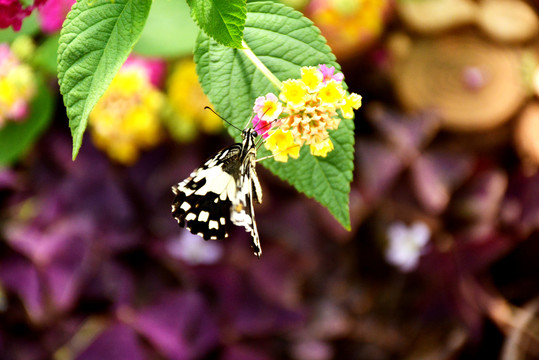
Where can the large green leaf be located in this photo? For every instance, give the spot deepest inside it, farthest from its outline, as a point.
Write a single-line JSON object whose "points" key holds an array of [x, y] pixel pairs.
{"points": [[95, 41], [284, 41], [222, 20], [17, 137]]}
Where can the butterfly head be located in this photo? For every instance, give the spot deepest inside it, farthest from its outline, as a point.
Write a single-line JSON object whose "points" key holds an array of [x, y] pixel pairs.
{"points": [[249, 133], [249, 136]]}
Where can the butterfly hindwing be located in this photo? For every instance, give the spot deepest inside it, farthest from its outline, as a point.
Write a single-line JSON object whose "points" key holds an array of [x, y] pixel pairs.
{"points": [[242, 212]]}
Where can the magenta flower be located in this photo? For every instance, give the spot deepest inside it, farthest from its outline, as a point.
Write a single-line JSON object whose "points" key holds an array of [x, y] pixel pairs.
{"points": [[12, 13], [261, 126], [53, 13]]}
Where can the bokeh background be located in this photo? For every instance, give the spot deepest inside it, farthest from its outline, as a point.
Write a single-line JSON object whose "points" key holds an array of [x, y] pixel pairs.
{"points": [[442, 261]]}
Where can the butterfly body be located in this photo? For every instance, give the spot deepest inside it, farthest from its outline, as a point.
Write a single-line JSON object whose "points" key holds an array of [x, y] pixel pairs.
{"points": [[220, 193]]}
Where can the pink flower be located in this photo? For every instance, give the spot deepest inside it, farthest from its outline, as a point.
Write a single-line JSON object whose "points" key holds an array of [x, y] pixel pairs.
{"points": [[12, 13], [327, 72], [267, 107], [53, 13], [261, 126], [153, 69]]}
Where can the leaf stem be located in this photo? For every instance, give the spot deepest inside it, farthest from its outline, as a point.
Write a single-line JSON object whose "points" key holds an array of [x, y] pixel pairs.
{"points": [[260, 66]]}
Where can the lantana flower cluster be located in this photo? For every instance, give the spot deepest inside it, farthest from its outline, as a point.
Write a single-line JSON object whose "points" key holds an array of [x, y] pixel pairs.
{"points": [[17, 86], [126, 119], [307, 108]]}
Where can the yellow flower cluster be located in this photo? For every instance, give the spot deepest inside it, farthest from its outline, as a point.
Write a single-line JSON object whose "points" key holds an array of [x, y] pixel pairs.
{"points": [[187, 101], [126, 119], [309, 111], [17, 86]]}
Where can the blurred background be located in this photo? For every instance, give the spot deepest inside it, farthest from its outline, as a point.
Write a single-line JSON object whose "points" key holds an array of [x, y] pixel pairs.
{"points": [[442, 259]]}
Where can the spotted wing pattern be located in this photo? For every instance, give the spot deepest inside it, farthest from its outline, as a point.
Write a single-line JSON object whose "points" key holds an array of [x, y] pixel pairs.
{"points": [[220, 193], [202, 201]]}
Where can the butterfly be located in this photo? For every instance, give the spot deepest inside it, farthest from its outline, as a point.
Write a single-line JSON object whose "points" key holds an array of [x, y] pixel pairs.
{"points": [[221, 192]]}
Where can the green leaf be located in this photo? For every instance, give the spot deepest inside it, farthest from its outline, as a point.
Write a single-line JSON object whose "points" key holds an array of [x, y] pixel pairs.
{"points": [[17, 137], [95, 41], [284, 41], [46, 55], [222, 20], [168, 21]]}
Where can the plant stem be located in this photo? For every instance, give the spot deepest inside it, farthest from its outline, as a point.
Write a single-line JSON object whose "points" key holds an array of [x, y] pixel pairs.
{"points": [[260, 66]]}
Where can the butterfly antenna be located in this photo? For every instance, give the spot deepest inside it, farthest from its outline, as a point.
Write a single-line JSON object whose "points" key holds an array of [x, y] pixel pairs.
{"points": [[222, 118], [248, 121]]}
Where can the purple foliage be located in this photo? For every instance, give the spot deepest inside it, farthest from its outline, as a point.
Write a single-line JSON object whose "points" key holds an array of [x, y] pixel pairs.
{"points": [[92, 265]]}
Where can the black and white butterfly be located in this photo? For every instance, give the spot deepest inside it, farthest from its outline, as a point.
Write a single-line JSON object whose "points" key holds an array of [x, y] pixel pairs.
{"points": [[221, 193]]}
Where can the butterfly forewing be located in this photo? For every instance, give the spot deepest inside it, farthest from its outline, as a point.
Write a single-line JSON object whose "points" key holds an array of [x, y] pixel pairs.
{"points": [[202, 201], [220, 193]]}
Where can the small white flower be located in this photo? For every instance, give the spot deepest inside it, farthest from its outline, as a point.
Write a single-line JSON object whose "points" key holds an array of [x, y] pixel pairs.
{"points": [[194, 250], [406, 244]]}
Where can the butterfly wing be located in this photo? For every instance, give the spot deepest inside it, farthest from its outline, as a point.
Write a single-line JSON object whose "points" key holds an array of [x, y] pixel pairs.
{"points": [[242, 211], [202, 202]]}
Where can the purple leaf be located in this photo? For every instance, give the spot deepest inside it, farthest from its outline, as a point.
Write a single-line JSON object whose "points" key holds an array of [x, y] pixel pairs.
{"points": [[244, 308], [521, 205], [469, 254], [435, 175], [257, 317], [408, 133], [63, 238], [179, 326], [239, 352], [20, 277], [481, 198], [378, 168], [59, 252], [118, 342]]}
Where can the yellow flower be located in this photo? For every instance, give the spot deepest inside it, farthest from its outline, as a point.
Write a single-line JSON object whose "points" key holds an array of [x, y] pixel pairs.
{"points": [[187, 101], [352, 101], [7, 93], [126, 119], [331, 93], [322, 148], [294, 92], [312, 77], [281, 144]]}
